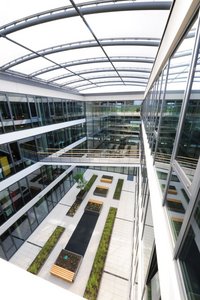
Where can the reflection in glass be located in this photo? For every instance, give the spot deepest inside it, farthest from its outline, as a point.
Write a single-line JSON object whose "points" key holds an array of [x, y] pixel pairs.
{"points": [[41, 209], [189, 148], [176, 84], [176, 204], [190, 263]]}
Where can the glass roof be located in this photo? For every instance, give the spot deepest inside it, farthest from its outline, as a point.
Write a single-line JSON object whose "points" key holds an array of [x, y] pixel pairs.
{"points": [[87, 46]]}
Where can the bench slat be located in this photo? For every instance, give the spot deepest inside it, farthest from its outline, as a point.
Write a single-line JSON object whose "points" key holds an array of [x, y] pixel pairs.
{"points": [[62, 273]]}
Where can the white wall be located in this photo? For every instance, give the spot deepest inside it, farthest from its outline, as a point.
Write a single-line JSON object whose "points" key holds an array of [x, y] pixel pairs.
{"points": [[17, 283], [170, 284], [22, 87], [22, 134]]}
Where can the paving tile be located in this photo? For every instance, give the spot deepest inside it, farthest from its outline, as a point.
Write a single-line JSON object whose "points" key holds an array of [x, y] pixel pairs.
{"points": [[126, 206], [113, 288], [119, 253], [118, 259]]}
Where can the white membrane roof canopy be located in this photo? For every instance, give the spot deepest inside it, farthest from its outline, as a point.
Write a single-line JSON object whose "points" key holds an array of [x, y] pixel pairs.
{"points": [[84, 46]]}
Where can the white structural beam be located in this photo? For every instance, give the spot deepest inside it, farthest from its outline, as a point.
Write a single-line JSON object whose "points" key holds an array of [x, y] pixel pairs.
{"points": [[170, 283]]}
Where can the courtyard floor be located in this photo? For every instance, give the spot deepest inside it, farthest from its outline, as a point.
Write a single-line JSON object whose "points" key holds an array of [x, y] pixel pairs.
{"points": [[115, 283]]}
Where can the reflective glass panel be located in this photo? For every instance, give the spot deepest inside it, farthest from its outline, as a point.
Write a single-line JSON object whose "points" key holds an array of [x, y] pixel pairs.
{"points": [[176, 203], [189, 148]]}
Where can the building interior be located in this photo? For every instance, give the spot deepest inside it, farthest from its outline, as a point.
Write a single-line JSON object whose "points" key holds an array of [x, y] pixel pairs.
{"points": [[112, 88]]}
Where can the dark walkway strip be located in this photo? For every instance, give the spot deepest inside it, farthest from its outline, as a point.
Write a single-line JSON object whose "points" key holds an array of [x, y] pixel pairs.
{"points": [[34, 244], [115, 275], [81, 236]]}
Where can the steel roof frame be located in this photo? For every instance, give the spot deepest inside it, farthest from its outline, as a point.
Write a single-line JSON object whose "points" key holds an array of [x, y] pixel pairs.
{"points": [[94, 60], [130, 81], [86, 9], [105, 70], [101, 77], [110, 84], [81, 10], [124, 41]]}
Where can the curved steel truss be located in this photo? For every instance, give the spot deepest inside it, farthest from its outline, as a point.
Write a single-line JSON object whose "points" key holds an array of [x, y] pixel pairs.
{"points": [[102, 70], [85, 8], [92, 61], [64, 72], [150, 42]]}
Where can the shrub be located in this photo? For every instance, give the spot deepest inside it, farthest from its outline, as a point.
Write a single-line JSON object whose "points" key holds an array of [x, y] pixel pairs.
{"points": [[71, 212], [118, 189], [45, 251], [94, 280]]}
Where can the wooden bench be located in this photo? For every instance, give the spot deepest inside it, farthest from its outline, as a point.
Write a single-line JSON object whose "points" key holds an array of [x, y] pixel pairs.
{"points": [[174, 200], [106, 180], [172, 192], [62, 273], [102, 187], [95, 201]]}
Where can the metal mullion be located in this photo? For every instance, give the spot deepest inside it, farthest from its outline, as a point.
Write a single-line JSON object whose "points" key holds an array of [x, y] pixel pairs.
{"points": [[29, 110], [161, 111], [192, 204], [157, 107], [152, 124], [187, 91], [10, 110]]}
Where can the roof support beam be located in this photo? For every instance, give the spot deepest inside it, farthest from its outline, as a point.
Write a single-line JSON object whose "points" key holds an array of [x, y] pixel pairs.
{"points": [[95, 60], [103, 70], [102, 77], [125, 41], [69, 11], [113, 81]]}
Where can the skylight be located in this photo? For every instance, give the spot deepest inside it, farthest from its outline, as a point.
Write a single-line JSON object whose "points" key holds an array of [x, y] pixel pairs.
{"points": [[90, 42]]}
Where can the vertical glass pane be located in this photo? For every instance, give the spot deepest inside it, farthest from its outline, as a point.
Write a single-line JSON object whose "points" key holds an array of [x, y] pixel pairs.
{"points": [[176, 203], [32, 218], [176, 84], [190, 263], [8, 244], [189, 148], [5, 113], [21, 230], [41, 209], [16, 196], [6, 165], [6, 204]]}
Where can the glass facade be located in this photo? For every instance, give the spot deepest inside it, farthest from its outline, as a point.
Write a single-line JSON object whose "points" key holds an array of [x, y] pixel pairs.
{"points": [[14, 237], [171, 109], [18, 155], [113, 125], [18, 112]]}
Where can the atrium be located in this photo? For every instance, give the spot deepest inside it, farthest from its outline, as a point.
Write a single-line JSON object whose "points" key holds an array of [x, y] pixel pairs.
{"points": [[100, 132]]}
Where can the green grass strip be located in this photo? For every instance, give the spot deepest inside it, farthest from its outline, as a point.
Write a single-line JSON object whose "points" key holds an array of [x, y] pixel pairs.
{"points": [[90, 182], [94, 280], [42, 256], [118, 189]]}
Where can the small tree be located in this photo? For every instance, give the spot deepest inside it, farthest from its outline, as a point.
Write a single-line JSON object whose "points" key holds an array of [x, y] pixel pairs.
{"points": [[81, 182]]}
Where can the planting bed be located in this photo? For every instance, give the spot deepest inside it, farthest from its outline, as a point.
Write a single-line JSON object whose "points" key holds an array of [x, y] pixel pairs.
{"points": [[107, 179], [94, 206], [101, 191]]}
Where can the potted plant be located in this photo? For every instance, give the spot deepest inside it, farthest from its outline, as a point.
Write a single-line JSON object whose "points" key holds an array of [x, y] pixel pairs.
{"points": [[82, 185]]}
